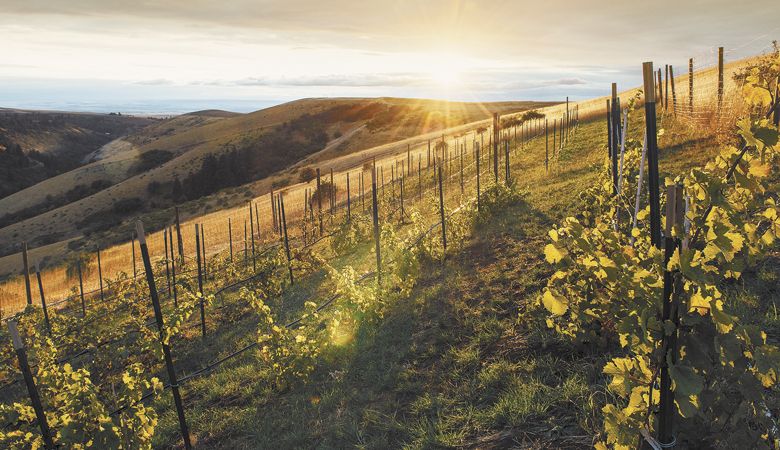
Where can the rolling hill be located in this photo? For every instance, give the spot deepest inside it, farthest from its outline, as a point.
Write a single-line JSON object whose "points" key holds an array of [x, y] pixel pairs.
{"points": [[172, 161]]}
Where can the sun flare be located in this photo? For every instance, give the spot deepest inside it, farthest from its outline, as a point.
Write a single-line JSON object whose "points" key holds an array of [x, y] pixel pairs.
{"points": [[446, 76]]}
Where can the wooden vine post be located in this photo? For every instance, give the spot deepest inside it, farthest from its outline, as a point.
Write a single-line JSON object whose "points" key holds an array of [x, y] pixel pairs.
{"points": [[652, 155], [403, 213], [546, 147], [26, 264], [286, 240], [615, 120], [246, 243], [173, 270], [100, 276], [375, 218], [32, 390], [203, 247], [319, 199], [675, 216], [506, 159], [349, 201], [230, 238], [251, 236], [81, 289], [441, 214], [172, 380], [273, 212], [200, 284], [43, 299], [495, 145], [609, 131], [167, 267], [179, 239], [479, 203]]}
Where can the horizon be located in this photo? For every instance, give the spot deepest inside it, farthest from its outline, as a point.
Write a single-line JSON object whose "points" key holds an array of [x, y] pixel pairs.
{"points": [[172, 58]]}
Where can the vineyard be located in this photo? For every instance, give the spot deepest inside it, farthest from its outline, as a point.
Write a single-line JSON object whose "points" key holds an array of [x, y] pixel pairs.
{"points": [[555, 280]]}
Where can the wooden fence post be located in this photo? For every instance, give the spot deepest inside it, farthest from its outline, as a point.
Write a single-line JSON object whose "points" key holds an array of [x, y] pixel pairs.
{"points": [[375, 217], [690, 86], [32, 390], [652, 155], [666, 92], [286, 240], [200, 283], [43, 298], [674, 93], [172, 380], [720, 78], [26, 264]]}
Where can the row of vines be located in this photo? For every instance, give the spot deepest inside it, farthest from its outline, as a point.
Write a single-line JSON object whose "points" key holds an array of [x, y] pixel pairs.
{"points": [[608, 289]]}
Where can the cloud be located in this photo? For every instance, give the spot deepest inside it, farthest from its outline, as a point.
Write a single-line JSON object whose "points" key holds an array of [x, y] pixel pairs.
{"points": [[155, 82], [340, 80]]}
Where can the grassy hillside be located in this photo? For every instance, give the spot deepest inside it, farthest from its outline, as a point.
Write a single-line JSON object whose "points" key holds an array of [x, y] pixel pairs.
{"points": [[35, 146], [136, 175]]}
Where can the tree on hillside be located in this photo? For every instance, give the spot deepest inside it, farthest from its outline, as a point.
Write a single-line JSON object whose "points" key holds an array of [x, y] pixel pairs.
{"points": [[177, 191]]}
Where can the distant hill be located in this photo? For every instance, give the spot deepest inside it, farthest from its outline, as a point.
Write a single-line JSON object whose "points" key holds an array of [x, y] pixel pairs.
{"points": [[35, 145], [197, 154]]}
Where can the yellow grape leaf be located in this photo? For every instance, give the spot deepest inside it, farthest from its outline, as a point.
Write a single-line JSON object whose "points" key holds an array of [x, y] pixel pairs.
{"points": [[556, 306], [756, 96], [552, 254], [759, 169], [700, 303]]}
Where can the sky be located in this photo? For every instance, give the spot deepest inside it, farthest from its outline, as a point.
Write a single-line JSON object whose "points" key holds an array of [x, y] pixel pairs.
{"points": [[160, 57]]}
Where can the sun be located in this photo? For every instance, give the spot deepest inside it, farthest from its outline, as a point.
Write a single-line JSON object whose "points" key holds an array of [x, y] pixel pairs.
{"points": [[444, 70]]}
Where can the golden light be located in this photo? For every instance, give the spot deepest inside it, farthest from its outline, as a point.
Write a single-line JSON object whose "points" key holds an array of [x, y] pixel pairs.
{"points": [[446, 77], [445, 69]]}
